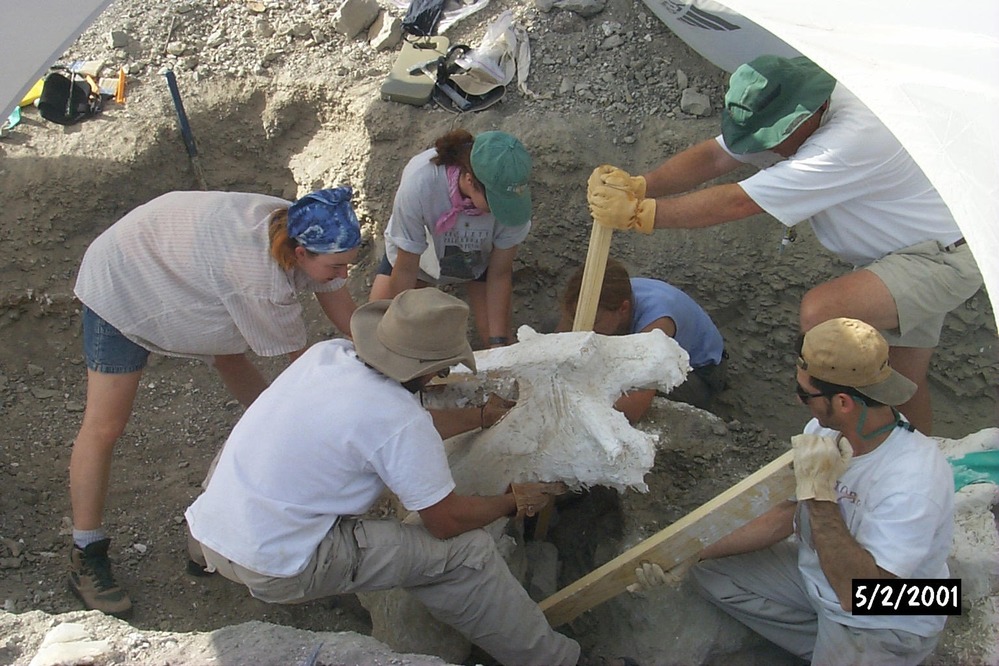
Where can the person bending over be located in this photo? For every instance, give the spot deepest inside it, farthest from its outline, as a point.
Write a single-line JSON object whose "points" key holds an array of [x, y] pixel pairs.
{"points": [[207, 275], [462, 209], [636, 305], [824, 157]]}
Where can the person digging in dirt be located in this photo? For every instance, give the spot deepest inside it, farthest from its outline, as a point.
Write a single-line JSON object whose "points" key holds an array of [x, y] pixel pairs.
{"points": [[278, 514], [196, 274], [460, 213], [636, 305], [826, 157], [874, 500]]}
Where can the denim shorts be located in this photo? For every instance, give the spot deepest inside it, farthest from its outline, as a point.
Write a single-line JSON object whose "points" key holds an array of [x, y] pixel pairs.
{"points": [[106, 350]]}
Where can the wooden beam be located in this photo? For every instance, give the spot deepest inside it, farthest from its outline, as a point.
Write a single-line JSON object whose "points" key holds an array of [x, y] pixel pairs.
{"points": [[680, 541], [593, 277]]}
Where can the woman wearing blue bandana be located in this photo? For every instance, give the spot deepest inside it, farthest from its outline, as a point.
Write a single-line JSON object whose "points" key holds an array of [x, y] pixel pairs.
{"points": [[462, 209], [206, 275]]}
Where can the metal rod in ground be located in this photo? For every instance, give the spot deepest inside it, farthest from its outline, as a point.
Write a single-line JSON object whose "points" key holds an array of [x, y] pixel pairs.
{"points": [[185, 129]]}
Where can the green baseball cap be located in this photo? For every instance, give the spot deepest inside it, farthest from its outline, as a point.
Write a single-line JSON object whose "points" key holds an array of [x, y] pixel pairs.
{"points": [[768, 98], [501, 163]]}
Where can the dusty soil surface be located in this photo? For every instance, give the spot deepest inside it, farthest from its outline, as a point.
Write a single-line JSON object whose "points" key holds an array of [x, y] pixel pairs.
{"points": [[281, 109]]}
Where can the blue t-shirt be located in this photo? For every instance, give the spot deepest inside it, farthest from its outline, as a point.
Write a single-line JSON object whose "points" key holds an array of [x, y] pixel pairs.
{"points": [[695, 332]]}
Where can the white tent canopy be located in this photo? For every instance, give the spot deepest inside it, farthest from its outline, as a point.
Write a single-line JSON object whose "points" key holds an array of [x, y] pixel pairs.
{"points": [[931, 73], [32, 36]]}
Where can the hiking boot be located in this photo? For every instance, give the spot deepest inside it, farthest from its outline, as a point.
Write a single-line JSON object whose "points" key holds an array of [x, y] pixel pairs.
{"points": [[91, 580]]}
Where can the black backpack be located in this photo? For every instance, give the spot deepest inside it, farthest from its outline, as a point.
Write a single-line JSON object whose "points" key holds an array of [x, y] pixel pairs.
{"points": [[422, 17], [68, 97]]}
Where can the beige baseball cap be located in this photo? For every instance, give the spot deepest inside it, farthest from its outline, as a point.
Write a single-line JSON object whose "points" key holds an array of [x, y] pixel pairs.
{"points": [[852, 353]]}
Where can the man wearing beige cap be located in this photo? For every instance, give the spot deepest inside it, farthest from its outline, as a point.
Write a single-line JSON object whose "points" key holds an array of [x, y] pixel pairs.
{"points": [[317, 449], [874, 500]]}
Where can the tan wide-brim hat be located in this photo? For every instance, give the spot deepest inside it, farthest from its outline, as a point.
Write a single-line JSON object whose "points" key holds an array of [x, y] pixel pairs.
{"points": [[417, 333]]}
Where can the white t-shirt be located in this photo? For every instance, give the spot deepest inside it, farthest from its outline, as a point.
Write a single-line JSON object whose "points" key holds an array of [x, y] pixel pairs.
{"points": [[898, 503], [865, 195], [463, 251], [190, 274], [323, 441]]}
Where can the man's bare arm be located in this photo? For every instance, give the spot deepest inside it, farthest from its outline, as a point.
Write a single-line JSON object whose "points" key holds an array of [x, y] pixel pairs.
{"points": [[841, 557], [457, 514], [688, 169], [762, 532]]}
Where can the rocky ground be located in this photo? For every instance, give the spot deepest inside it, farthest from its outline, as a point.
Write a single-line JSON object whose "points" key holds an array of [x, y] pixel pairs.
{"points": [[281, 103]]}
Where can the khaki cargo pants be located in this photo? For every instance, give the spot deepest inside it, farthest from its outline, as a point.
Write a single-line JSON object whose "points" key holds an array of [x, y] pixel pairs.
{"points": [[462, 581]]}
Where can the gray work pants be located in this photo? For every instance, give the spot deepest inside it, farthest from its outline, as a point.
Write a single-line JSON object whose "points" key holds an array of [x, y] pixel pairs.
{"points": [[764, 590], [463, 581]]}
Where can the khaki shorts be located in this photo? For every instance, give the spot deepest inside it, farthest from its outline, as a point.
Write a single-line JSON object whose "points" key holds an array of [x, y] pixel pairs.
{"points": [[927, 281]]}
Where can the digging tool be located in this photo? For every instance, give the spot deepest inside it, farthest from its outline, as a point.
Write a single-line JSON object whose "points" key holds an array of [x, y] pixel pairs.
{"points": [[682, 540], [185, 129]]}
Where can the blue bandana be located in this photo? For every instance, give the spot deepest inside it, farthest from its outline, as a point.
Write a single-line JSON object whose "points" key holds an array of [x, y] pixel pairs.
{"points": [[324, 221]]}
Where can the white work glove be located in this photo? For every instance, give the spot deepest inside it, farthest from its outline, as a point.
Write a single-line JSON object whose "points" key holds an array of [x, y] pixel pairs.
{"points": [[650, 575], [818, 462]]}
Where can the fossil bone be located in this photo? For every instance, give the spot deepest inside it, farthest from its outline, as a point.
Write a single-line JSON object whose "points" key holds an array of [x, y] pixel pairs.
{"points": [[564, 426]]}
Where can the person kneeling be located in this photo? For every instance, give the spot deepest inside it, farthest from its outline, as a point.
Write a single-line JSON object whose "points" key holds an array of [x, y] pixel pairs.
{"points": [[322, 443]]}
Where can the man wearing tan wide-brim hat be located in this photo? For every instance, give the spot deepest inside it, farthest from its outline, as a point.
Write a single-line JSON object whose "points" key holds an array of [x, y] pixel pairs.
{"points": [[341, 425], [874, 499]]}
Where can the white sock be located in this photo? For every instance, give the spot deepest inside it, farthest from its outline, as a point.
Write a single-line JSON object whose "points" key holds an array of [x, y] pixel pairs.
{"points": [[83, 538]]}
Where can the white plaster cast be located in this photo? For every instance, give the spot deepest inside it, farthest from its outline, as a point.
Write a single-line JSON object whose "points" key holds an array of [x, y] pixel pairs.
{"points": [[564, 426]]}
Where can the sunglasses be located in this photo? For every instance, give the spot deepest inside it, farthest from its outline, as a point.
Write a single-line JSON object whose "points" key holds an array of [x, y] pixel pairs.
{"points": [[443, 373], [804, 396]]}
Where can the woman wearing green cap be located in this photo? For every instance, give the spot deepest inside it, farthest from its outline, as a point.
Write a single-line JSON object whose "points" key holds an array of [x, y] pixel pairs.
{"points": [[461, 210], [205, 275]]}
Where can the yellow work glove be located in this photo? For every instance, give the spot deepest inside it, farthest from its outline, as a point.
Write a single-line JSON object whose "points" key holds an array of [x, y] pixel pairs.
{"points": [[596, 179], [634, 185], [533, 497], [617, 209], [606, 174], [651, 575], [818, 462]]}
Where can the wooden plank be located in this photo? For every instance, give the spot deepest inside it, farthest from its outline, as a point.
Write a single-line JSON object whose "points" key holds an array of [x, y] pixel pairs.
{"points": [[680, 541], [593, 277]]}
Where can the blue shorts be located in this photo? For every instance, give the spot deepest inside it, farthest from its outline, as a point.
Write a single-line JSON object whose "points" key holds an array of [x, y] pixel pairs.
{"points": [[106, 350]]}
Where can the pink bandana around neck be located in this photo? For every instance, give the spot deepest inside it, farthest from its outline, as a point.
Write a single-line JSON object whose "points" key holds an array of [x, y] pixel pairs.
{"points": [[459, 203]]}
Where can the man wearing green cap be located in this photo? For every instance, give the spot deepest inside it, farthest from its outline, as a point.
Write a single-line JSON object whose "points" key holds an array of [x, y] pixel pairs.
{"points": [[824, 157]]}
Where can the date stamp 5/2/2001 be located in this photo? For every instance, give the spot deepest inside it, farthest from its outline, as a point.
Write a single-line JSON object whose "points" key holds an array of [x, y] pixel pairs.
{"points": [[906, 596]]}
